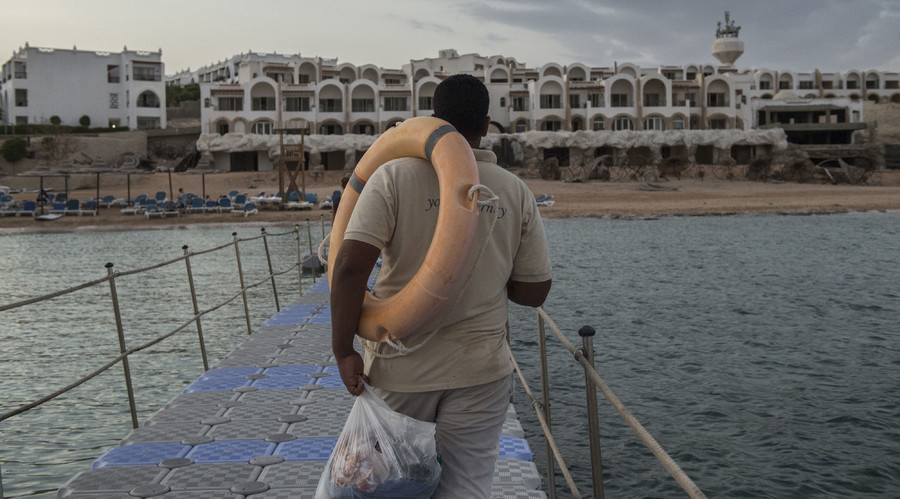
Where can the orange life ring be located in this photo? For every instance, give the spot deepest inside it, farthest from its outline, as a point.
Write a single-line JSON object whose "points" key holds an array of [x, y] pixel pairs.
{"points": [[435, 140]]}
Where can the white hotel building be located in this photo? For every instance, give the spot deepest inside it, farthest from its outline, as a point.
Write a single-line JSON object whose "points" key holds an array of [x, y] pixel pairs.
{"points": [[112, 89], [259, 93]]}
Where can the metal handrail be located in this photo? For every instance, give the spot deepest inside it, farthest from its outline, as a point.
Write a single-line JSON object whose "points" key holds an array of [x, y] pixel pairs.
{"points": [[584, 356], [111, 278]]}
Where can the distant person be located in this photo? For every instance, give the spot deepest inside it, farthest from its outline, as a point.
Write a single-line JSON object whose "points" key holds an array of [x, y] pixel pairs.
{"points": [[336, 195], [461, 377]]}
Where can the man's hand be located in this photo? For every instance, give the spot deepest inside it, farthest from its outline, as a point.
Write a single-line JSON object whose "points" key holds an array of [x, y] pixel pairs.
{"points": [[351, 368]]}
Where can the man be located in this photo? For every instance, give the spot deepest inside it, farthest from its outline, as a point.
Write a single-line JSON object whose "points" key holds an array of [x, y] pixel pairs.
{"points": [[459, 377]]}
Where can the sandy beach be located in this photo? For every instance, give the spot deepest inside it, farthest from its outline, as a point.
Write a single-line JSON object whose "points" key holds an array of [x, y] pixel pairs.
{"points": [[617, 199]]}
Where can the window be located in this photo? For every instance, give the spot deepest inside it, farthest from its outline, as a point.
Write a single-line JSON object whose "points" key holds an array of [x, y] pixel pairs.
{"points": [[651, 100], [521, 126], [330, 105], [596, 100], [654, 123], [690, 75], [395, 104], [392, 81], [502, 101], [852, 85], [112, 73], [551, 101], [716, 99], [519, 104], [231, 103], [146, 73], [691, 99], [363, 129], [784, 85], [623, 123], [598, 124], [678, 123], [619, 100], [331, 129], [362, 105], [296, 104], [21, 97], [263, 104], [870, 84], [765, 85], [262, 127], [806, 85], [892, 84], [427, 102], [551, 125], [718, 124], [827, 85], [303, 78], [574, 101], [147, 99], [222, 127], [145, 123], [114, 101]]}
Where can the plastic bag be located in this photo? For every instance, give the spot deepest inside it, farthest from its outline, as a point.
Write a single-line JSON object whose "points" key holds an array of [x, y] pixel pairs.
{"points": [[381, 454]]}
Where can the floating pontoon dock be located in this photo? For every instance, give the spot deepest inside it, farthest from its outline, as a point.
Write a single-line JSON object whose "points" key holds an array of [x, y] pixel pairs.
{"points": [[261, 424]]}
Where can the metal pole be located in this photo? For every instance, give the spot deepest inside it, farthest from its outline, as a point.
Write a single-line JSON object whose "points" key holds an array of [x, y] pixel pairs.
{"points": [[313, 258], [237, 254], [121, 333], [271, 272], [190, 274], [587, 342], [299, 261], [97, 204], [545, 401], [171, 194]]}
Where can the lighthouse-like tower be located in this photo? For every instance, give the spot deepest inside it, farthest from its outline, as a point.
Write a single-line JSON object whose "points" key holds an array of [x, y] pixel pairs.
{"points": [[727, 48]]}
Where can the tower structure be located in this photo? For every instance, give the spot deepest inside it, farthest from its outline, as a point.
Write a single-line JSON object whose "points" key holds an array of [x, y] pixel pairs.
{"points": [[727, 48]]}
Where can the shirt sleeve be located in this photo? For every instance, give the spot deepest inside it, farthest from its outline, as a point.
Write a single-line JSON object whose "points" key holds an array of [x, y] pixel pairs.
{"points": [[532, 261], [373, 217]]}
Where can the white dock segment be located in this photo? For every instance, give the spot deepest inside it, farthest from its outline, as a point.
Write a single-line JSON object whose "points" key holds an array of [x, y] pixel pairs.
{"points": [[261, 424]]}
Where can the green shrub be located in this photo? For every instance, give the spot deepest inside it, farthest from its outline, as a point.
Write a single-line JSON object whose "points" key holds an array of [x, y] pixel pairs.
{"points": [[55, 120], [14, 149], [85, 121]]}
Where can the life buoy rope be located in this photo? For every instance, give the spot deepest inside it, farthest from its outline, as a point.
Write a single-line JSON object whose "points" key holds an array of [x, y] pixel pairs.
{"points": [[436, 140]]}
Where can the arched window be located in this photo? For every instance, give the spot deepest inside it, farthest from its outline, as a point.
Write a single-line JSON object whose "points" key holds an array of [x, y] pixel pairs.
{"points": [[551, 125], [654, 123], [521, 126], [678, 123], [263, 127], [599, 124], [147, 99], [623, 123]]}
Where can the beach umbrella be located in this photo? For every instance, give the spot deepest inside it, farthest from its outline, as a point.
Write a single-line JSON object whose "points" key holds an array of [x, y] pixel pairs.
{"points": [[41, 171]]}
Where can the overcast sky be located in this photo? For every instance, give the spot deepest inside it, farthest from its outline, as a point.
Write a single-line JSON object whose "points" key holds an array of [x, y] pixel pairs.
{"points": [[801, 35]]}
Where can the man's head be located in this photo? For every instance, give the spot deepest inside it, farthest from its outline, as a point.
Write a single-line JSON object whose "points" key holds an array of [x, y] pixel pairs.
{"points": [[463, 101]]}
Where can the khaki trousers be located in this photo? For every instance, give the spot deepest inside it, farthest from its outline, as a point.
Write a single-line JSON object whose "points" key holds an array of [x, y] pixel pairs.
{"points": [[469, 421]]}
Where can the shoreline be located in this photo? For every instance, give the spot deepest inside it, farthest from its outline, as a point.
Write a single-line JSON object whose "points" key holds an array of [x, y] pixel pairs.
{"points": [[594, 199]]}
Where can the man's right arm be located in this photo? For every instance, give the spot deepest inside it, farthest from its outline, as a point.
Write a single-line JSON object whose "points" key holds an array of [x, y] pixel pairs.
{"points": [[352, 268]]}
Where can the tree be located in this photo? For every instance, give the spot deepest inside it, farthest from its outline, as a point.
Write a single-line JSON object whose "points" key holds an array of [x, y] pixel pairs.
{"points": [[176, 94], [85, 121], [14, 149], [54, 120]]}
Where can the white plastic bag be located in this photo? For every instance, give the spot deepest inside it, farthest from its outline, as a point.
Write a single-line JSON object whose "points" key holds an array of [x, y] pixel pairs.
{"points": [[381, 454]]}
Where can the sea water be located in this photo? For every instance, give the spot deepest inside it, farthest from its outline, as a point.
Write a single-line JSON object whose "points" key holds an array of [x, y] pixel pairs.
{"points": [[761, 352]]}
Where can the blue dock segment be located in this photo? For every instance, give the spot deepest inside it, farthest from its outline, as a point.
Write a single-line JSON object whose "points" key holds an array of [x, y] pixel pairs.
{"points": [[261, 424]]}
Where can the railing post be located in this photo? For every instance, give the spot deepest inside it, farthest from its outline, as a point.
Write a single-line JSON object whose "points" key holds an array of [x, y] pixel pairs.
{"points": [[299, 261], [312, 255], [121, 333], [587, 342], [190, 274], [545, 401], [271, 272], [237, 253]]}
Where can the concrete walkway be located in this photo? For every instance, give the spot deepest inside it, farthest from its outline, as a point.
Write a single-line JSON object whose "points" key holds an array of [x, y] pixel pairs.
{"points": [[261, 424]]}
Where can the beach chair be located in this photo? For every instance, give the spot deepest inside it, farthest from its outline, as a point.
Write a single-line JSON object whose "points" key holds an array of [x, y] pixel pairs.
{"points": [[545, 200], [170, 209], [151, 209], [73, 207], [312, 198], [211, 206], [232, 194], [160, 197], [90, 208], [28, 208], [58, 208], [224, 205], [196, 205], [246, 210], [106, 201]]}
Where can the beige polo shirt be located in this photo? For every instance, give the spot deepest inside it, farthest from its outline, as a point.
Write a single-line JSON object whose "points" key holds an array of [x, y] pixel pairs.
{"points": [[397, 212]]}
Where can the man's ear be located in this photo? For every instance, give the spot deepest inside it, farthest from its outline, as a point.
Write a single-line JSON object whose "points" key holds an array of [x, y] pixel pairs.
{"points": [[487, 125]]}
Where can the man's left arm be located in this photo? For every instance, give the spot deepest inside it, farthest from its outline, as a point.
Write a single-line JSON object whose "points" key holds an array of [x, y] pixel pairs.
{"points": [[530, 294], [352, 268]]}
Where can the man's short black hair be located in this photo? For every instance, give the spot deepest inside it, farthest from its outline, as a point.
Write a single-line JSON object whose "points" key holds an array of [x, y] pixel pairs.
{"points": [[463, 101]]}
